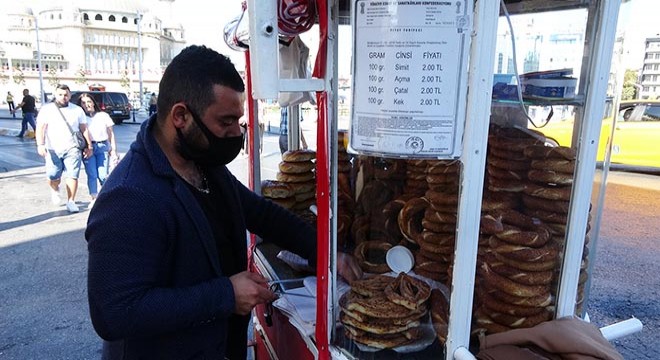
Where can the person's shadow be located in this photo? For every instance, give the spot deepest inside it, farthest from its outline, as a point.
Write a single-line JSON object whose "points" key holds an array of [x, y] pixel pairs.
{"points": [[41, 217]]}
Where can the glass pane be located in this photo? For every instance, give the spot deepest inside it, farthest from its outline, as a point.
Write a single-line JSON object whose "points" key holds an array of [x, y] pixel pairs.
{"points": [[652, 113], [407, 206]]}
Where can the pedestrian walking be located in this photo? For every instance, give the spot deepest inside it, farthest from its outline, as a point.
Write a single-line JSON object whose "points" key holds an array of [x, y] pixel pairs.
{"points": [[29, 110], [56, 144], [104, 147], [284, 131], [153, 104], [167, 275], [10, 103]]}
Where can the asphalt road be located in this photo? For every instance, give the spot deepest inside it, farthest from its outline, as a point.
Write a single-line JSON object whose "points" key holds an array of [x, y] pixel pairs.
{"points": [[625, 279], [43, 304]]}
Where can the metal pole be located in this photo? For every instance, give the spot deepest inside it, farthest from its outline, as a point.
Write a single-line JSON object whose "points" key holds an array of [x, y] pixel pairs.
{"points": [[139, 36], [41, 77], [601, 43]]}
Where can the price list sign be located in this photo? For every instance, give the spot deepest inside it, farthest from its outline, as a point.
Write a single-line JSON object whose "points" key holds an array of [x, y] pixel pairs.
{"points": [[409, 77]]}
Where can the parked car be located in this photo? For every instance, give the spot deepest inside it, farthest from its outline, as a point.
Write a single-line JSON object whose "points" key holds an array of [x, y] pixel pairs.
{"points": [[635, 139], [116, 104]]}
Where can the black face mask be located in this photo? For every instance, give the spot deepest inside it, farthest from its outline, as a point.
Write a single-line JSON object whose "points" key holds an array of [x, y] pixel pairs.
{"points": [[221, 151]]}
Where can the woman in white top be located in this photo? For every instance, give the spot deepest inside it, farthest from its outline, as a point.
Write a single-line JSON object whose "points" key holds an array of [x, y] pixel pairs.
{"points": [[99, 125]]}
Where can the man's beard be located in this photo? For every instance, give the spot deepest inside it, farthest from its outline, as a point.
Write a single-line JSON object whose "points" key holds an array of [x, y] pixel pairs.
{"points": [[192, 138]]}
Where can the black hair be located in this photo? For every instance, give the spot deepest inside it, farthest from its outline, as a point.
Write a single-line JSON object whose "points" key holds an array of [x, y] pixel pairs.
{"points": [[190, 78], [63, 87]]}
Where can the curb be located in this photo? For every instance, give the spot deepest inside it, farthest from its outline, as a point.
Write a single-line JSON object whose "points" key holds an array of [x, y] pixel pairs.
{"points": [[37, 170]]}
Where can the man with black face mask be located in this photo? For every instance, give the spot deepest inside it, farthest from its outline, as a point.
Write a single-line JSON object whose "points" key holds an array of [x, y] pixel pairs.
{"points": [[167, 238]]}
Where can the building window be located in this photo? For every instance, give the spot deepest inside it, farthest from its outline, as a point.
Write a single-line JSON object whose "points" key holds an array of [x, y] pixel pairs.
{"points": [[135, 21], [59, 16], [98, 17], [111, 18], [85, 17], [52, 17], [124, 20]]}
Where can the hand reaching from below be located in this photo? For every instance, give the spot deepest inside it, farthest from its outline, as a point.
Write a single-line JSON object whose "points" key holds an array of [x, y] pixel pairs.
{"points": [[348, 268], [250, 290]]}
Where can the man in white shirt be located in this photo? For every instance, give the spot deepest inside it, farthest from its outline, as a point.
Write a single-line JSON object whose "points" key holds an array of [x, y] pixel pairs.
{"points": [[55, 143]]}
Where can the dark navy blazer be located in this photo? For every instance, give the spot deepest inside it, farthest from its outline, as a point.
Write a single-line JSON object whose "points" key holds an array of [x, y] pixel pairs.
{"points": [[155, 285]]}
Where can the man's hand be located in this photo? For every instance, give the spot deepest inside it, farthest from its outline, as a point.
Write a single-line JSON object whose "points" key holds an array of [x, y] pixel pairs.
{"points": [[41, 150], [87, 153], [250, 290], [348, 268]]}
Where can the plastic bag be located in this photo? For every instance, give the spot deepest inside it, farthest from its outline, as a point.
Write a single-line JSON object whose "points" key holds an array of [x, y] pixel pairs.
{"points": [[294, 65]]}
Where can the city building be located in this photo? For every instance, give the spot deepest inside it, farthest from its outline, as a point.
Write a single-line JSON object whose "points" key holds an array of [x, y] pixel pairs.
{"points": [[88, 44], [550, 41], [650, 74]]}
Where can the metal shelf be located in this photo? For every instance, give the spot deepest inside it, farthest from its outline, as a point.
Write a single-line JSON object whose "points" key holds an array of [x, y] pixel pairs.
{"points": [[531, 101]]}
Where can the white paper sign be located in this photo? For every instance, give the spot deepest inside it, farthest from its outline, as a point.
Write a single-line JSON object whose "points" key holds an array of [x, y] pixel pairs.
{"points": [[409, 77]]}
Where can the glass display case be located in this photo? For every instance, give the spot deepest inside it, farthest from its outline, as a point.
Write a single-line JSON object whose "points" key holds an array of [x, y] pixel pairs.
{"points": [[480, 239]]}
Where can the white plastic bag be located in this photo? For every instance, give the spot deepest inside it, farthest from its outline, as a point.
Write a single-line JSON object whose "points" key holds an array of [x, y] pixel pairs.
{"points": [[294, 65]]}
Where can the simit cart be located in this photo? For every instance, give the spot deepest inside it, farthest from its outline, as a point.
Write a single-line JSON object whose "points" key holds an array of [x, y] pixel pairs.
{"points": [[428, 160]]}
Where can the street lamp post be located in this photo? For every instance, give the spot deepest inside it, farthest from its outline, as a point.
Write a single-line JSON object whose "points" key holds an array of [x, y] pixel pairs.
{"points": [[41, 77], [139, 36]]}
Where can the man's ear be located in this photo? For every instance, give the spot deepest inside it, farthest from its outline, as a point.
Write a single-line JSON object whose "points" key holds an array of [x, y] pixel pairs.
{"points": [[179, 115]]}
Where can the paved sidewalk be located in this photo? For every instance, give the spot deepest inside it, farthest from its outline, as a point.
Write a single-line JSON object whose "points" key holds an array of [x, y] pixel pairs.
{"points": [[43, 261]]}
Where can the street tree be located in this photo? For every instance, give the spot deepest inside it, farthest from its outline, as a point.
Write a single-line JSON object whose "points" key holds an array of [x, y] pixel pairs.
{"points": [[53, 79], [125, 81], [19, 78], [81, 76], [629, 91]]}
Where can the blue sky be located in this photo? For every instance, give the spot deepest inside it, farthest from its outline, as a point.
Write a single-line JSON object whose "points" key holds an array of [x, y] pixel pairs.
{"points": [[638, 20]]}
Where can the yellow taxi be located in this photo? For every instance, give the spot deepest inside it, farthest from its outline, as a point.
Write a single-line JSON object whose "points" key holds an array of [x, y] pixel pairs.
{"points": [[636, 139]]}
